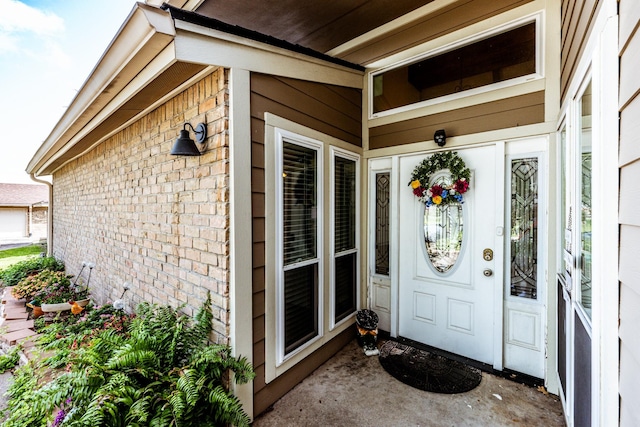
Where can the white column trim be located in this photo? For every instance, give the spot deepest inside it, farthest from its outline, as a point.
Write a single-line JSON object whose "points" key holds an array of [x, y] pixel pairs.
{"points": [[240, 289]]}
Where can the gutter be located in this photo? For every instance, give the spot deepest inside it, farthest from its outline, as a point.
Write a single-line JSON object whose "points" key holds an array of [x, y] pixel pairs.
{"points": [[49, 213]]}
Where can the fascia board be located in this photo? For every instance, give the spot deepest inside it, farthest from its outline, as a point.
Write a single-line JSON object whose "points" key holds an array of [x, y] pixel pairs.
{"points": [[156, 67], [389, 27], [202, 45], [146, 32], [182, 4]]}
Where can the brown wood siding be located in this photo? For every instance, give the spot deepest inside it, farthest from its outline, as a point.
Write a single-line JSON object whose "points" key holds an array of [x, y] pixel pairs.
{"points": [[629, 212], [505, 113], [335, 111], [446, 20], [578, 18]]}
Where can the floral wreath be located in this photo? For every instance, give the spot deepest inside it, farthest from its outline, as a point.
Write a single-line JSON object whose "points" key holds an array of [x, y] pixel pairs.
{"points": [[438, 194]]}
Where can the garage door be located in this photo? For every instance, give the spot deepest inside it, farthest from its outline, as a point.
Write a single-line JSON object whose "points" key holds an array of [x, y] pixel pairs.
{"points": [[13, 223]]}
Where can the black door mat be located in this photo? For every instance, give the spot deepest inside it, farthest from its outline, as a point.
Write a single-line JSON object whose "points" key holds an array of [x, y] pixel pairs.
{"points": [[427, 371]]}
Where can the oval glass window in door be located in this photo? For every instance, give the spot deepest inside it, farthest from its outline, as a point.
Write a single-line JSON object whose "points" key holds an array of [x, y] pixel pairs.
{"points": [[443, 235]]}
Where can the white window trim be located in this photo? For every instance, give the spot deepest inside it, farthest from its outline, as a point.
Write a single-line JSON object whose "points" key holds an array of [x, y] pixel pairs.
{"points": [[274, 126], [337, 152], [283, 136], [538, 75]]}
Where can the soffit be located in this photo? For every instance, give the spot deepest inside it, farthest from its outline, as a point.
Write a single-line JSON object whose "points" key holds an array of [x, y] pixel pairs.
{"points": [[319, 25], [138, 69], [172, 78]]}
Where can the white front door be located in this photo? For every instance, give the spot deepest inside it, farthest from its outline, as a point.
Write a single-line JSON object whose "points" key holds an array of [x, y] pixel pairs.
{"points": [[459, 310]]}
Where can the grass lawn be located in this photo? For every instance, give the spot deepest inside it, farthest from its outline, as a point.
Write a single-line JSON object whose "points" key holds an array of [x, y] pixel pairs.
{"points": [[12, 256]]}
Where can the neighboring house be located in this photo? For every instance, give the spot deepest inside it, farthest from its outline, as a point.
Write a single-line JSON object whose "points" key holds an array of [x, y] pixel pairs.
{"points": [[23, 212], [298, 212]]}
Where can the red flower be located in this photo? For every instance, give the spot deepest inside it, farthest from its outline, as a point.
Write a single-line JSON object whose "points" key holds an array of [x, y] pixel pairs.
{"points": [[461, 186], [418, 191], [436, 190]]}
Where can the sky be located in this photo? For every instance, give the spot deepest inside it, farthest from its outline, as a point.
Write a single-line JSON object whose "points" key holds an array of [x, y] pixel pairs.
{"points": [[48, 48]]}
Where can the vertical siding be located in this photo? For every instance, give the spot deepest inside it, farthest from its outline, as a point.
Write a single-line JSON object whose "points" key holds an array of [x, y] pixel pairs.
{"points": [[335, 111], [577, 22], [629, 212]]}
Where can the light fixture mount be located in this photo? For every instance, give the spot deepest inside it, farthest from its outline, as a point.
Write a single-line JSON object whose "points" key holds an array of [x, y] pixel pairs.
{"points": [[200, 130], [440, 137]]}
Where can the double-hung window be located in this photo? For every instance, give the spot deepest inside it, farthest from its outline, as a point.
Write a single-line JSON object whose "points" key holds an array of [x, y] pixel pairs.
{"points": [[301, 193], [345, 248], [316, 235]]}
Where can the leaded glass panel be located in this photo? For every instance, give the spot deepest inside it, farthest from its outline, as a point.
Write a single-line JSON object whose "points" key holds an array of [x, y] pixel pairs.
{"points": [[443, 233], [382, 223], [585, 200], [524, 228]]}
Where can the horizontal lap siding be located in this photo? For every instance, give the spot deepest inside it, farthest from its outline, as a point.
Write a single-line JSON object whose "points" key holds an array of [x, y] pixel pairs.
{"points": [[332, 110], [443, 21], [578, 17], [629, 217], [502, 114]]}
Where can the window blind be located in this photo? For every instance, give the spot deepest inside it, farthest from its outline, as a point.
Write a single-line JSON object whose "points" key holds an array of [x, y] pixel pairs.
{"points": [[299, 203]]}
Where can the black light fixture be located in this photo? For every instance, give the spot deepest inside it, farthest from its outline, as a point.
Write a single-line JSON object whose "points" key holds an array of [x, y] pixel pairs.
{"points": [[440, 137], [184, 146]]}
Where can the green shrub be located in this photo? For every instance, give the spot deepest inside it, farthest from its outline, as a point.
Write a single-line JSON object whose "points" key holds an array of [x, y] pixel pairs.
{"points": [[162, 372], [11, 275], [43, 284], [10, 359]]}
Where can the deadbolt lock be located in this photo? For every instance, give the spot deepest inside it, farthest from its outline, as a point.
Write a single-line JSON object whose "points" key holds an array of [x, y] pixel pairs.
{"points": [[488, 272], [487, 254]]}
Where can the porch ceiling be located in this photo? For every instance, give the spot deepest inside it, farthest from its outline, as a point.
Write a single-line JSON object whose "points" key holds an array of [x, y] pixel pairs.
{"points": [[319, 25]]}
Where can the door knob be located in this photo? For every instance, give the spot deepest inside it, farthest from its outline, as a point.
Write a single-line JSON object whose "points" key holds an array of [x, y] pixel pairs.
{"points": [[488, 272]]}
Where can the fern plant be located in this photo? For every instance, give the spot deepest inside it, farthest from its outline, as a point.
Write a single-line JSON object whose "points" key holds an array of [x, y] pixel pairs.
{"points": [[162, 372]]}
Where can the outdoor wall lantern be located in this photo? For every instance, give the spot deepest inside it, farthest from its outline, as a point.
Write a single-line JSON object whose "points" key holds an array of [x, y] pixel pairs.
{"points": [[184, 146], [440, 137]]}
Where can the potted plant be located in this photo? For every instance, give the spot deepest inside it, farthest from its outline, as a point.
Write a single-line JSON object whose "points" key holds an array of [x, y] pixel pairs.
{"points": [[60, 297]]}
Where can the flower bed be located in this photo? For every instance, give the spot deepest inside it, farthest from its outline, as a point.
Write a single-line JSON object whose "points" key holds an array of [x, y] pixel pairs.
{"points": [[107, 367]]}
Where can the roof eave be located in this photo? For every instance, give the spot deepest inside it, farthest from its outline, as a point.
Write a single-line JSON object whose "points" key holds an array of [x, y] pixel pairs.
{"points": [[146, 32]]}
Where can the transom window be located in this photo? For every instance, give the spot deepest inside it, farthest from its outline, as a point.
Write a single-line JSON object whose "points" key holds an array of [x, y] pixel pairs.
{"points": [[496, 58]]}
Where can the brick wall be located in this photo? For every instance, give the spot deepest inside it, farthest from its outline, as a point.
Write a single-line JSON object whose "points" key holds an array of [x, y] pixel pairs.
{"points": [[157, 221]]}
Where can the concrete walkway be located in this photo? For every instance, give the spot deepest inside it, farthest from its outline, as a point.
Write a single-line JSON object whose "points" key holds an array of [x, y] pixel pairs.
{"points": [[352, 389]]}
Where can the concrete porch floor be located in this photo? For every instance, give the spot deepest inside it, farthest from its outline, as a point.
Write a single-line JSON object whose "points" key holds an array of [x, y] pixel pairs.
{"points": [[352, 389]]}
